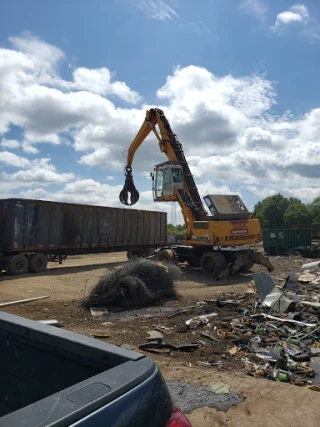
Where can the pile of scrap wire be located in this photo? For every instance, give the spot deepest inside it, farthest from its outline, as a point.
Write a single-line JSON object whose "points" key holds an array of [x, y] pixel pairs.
{"points": [[138, 282]]}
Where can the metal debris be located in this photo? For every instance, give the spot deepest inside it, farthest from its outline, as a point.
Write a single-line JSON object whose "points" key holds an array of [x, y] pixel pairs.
{"points": [[100, 334], [154, 335], [199, 320], [22, 301], [218, 388], [52, 322], [98, 311], [209, 364], [232, 351], [209, 336], [161, 345], [311, 267]]}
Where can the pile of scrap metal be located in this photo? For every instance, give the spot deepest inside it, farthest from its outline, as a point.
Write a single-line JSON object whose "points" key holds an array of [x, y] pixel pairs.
{"points": [[286, 343], [274, 331], [312, 251]]}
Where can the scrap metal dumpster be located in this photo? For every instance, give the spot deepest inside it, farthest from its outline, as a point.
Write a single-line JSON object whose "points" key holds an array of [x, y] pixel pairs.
{"points": [[39, 228], [284, 240]]}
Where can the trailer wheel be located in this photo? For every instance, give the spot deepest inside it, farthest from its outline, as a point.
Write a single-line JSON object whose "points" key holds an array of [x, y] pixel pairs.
{"points": [[166, 255], [18, 264], [37, 263], [212, 263]]}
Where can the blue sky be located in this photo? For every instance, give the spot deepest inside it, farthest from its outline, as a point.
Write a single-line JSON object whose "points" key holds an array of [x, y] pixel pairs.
{"points": [[238, 80]]}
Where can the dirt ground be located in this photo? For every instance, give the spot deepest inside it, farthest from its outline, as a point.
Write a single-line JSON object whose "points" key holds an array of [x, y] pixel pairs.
{"points": [[266, 403]]}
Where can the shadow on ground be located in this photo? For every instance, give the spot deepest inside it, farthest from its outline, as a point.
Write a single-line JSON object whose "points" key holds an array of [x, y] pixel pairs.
{"points": [[196, 275], [62, 270], [188, 274]]}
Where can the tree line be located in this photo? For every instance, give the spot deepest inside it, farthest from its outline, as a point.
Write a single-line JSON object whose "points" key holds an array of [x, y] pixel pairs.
{"points": [[278, 211]]}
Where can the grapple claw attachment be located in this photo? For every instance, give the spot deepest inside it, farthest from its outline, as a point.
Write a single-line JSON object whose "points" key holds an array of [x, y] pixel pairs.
{"points": [[129, 194]]}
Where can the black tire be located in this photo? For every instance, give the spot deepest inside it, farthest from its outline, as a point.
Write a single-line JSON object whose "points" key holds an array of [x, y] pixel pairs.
{"points": [[37, 263], [18, 264], [212, 263], [166, 255]]}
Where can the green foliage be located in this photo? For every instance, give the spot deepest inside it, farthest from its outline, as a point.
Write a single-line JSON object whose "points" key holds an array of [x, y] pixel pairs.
{"points": [[315, 210], [270, 211], [178, 229], [278, 211], [297, 213]]}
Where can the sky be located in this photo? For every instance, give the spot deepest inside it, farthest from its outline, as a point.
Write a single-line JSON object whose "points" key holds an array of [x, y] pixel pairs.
{"points": [[238, 80]]}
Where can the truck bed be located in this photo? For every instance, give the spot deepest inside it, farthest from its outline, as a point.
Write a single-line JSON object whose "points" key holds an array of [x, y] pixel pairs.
{"points": [[53, 377]]}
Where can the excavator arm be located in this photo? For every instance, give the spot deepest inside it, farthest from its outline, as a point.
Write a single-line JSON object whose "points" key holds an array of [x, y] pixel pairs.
{"points": [[188, 196]]}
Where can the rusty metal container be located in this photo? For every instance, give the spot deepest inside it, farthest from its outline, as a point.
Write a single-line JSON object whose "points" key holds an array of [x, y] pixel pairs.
{"points": [[53, 227]]}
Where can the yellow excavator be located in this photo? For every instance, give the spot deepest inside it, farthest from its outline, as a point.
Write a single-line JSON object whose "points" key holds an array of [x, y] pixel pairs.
{"points": [[212, 241]]}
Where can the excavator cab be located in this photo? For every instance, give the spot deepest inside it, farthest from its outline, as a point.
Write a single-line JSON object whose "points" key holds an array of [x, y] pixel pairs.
{"points": [[167, 179]]}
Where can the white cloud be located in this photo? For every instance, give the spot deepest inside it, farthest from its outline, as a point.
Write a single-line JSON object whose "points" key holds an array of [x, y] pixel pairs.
{"points": [[10, 143], [11, 159], [157, 9], [28, 148], [256, 8], [297, 13], [37, 49], [99, 81], [34, 97], [232, 139], [38, 171]]}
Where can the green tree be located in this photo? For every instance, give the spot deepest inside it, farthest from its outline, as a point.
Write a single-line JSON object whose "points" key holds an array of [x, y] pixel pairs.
{"points": [[297, 213], [178, 229], [271, 210], [315, 210]]}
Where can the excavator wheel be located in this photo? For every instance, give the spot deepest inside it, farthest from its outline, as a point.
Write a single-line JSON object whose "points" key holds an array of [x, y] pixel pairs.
{"points": [[212, 263]]}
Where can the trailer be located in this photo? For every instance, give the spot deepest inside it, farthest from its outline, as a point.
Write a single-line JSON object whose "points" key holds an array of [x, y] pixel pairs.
{"points": [[35, 231]]}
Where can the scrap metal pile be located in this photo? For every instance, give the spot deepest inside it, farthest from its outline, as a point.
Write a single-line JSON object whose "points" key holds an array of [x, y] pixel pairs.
{"points": [[272, 330], [312, 251], [286, 329]]}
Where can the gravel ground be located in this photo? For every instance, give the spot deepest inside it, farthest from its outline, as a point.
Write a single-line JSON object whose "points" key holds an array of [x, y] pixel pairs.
{"points": [[263, 403]]}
